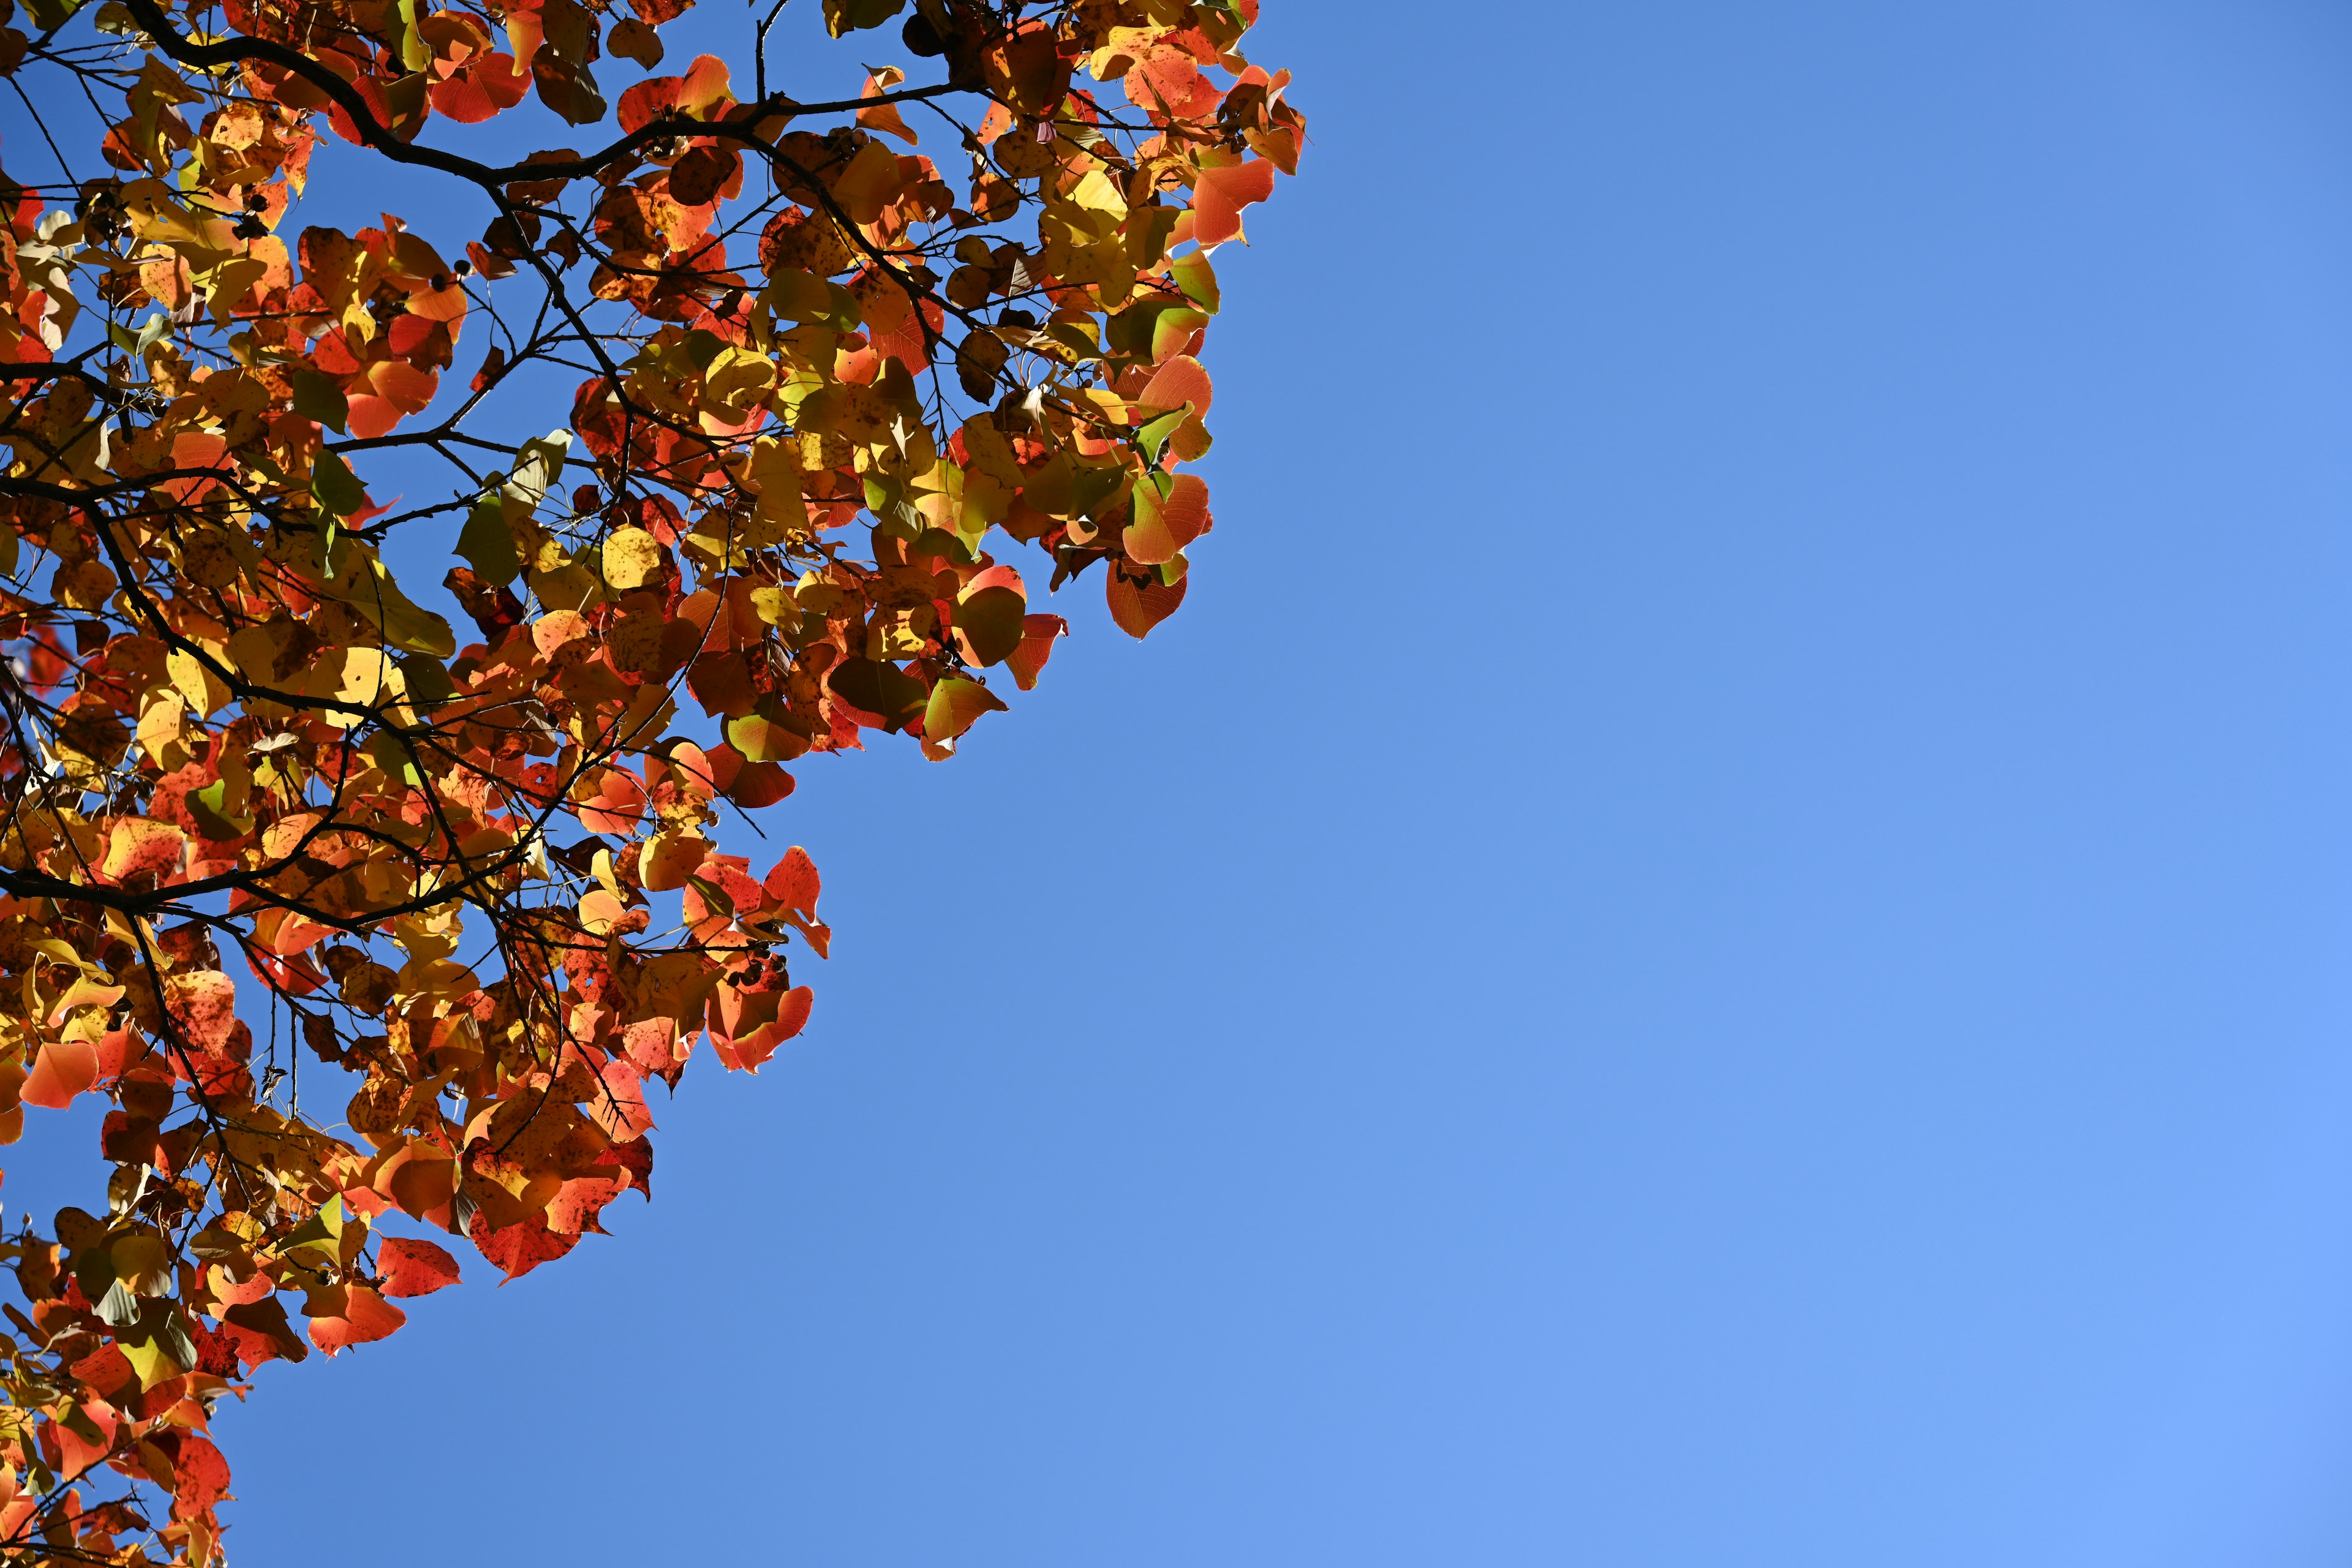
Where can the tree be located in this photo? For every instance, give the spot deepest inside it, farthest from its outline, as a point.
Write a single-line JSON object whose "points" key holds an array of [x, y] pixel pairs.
{"points": [[805, 379]]}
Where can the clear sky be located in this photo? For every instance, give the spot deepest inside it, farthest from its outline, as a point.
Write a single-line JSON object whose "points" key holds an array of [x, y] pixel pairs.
{"points": [[1716, 939]]}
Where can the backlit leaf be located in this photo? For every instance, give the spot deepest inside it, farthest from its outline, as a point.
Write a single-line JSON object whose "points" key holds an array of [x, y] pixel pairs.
{"points": [[342, 920], [412, 1267]]}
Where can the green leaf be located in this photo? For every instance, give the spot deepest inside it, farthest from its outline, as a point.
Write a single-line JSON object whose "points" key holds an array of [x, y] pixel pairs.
{"points": [[1138, 329], [953, 707], [119, 1307], [321, 1235], [852, 15], [885, 691], [762, 740], [488, 543], [209, 807], [334, 486], [1078, 340], [404, 623], [1155, 434], [50, 15], [1197, 278], [885, 498], [992, 624], [537, 466], [168, 1330], [415, 53], [320, 397], [427, 680], [323, 542], [948, 546], [385, 750], [1092, 490], [1172, 328]]}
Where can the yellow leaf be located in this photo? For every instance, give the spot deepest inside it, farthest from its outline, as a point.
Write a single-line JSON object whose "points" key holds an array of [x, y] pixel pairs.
{"points": [[631, 557], [362, 675], [203, 691], [600, 911], [1098, 193], [140, 844], [85, 992], [775, 471], [737, 378], [155, 214], [368, 587], [668, 858], [870, 184], [151, 1361], [226, 286], [160, 727]]}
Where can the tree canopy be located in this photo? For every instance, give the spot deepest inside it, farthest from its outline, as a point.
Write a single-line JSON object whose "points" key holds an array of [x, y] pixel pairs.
{"points": [[365, 927]]}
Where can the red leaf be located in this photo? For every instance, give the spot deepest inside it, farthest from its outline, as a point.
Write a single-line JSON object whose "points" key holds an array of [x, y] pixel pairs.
{"points": [[484, 88], [1037, 636], [518, 1249], [367, 1318], [1218, 200], [494, 365], [746, 1026], [204, 1004], [262, 1332], [794, 882], [759, 783], [635, 1157], [216, 1352], [415, 1267], [200, 1474], [1181, 381], [1138, 609], [64, 1068]]}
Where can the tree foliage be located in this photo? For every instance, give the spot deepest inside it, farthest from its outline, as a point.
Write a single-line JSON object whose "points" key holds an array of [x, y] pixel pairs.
{"points": [[755, 388]]}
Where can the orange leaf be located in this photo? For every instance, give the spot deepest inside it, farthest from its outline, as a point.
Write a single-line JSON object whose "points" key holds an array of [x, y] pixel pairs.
{"points": [[746, 1026], [1038, 634], [1138, 608], [201, 1475], [1164, 526], [1179, 382], [794, 882], [412, 1267], [140, 846], [367, 1318], [64, 1068], [516, 1249], [1218, 199], [84, 993], [204, 1004], [884, 117]]}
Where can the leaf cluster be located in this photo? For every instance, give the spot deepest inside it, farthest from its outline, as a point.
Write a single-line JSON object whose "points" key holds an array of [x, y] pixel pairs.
{"points": [[357, 920]]}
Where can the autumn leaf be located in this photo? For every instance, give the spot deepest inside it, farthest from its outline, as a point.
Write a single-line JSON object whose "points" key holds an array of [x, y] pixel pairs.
{"points": [[814, 393], [412, 1267], [361, 1316], [1220, 194]]}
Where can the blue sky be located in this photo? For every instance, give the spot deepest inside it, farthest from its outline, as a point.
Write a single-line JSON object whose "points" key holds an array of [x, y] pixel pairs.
{"points": [[1716, 938]]}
